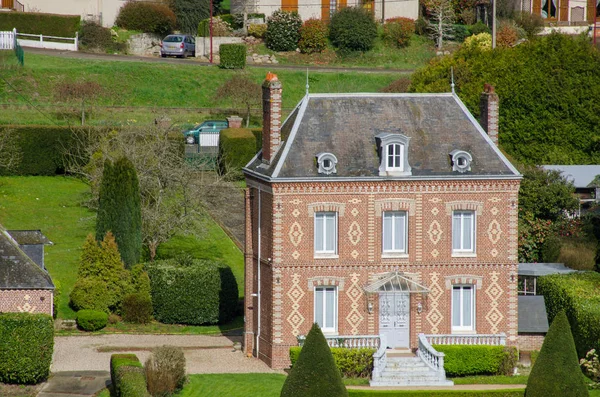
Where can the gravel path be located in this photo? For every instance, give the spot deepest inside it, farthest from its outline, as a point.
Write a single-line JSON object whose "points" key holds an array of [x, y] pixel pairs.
{"points": [[204, 353]]}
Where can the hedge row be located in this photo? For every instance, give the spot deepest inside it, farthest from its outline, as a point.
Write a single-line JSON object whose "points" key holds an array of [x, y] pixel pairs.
{"points": [[26, 346], [237, 146], [127, 376], [195, 293], [352, 363], [466, 360], [578, 294], [38, 23], [233, 56]]}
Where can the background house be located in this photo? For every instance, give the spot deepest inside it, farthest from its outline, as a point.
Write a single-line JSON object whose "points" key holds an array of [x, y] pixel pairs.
{"points": [[103, 11], [585, 178]]}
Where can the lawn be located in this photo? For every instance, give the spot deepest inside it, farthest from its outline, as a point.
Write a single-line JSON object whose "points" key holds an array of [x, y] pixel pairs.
{"points": [[149, 90]]}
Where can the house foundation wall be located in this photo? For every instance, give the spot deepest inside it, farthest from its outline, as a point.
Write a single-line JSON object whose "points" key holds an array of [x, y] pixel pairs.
{"points": [[530, 342]]}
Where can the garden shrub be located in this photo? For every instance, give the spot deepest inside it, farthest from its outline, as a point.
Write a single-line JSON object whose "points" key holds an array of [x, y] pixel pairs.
{"points": [[480, 41], [478, 28], [353, 29], [313, 36], [256, 16], [233, 56], [400, 85], [220, 28], [557, 372], [352, 363], [578, 254], [165, 370], [315, 372], [140, 282], [237, 146], [127, 376], [235, 21], [137, 308], [579, 296], [202, 292], [146, 17], [257, 30], [531, 23], [590, 365], [91, 320], [460, 33], [466, 360], [551, 249], [40, 23], [94, 36], [283, 31], [507, 34], [398, 31], [26, 346], [90, 294], [421, 27]]}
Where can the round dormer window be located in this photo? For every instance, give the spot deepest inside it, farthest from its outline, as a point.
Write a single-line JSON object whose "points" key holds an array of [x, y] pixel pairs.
{"points": [[326, 163], [461, 161]]}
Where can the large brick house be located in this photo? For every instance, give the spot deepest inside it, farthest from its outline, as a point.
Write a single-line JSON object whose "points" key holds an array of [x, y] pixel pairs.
{"points": [[388, 219]]}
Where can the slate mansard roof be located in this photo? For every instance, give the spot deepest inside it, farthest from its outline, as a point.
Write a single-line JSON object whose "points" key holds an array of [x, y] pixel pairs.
{"points": [[346, 126], [17, 270]]}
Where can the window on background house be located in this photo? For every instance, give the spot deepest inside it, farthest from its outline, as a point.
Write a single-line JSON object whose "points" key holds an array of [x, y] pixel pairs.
{"points": [[326, 308], [395, 232], [527, 285], [463, 232], [326, 233], [463, 308]]}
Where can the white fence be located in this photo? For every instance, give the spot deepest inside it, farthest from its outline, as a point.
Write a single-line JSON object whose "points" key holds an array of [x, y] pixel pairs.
{"points": [[49, 42], [7, 40]]}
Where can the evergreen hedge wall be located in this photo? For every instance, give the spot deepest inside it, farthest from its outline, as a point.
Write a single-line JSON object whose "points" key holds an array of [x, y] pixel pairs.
{"points": [[352, 363], [578, 294], [195, 293], [26, 346], [233, 56], [40, 23], [237, 146], [466, 360], [127, 376]]}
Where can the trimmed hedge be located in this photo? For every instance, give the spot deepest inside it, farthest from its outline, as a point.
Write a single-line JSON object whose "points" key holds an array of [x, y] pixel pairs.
{"points": [[352, 363], [465, 360], [578, 294], [237, 146], [437, 393], [137, 308], [90, 294], [233, 56], [26, 346], [91, 320], [201, 292], [147, 17], [40, 23], [127, 376]]}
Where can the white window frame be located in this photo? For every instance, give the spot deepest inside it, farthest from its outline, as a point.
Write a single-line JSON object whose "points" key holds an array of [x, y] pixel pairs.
{"points": [[326, 252], [398, 143], [321, 321], [461, 327], [397, 153], [397, 216], [461, 250]]}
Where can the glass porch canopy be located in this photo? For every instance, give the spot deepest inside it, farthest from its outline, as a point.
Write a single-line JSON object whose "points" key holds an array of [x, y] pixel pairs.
{"points": [[396, 282]]}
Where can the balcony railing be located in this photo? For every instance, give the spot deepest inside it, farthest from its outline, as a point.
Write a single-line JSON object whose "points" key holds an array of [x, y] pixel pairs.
{"points": [[349, 342], [476, 339], [433, 358]]}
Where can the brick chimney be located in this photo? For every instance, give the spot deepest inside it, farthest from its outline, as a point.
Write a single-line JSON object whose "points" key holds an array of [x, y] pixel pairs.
{"points": [[271, 132], [488, 112]]}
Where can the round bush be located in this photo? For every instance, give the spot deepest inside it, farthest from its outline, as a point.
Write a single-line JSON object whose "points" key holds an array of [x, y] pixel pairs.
{"points": [[478, 28], [91, 320], [481, 41], [257, 30], [283, 31], [146, 17], [398, 31], [95, 36], [313, 36], [137, 308], [353, 29], [551, 249], [90, 294]]}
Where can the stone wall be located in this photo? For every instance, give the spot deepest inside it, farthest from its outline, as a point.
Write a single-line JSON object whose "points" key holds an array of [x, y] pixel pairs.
{"points": [[203, 44], [530, 342], [144, 44]]}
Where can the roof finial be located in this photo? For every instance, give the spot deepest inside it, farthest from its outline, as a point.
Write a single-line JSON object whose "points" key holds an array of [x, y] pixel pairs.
{"points": [[452, 77]]}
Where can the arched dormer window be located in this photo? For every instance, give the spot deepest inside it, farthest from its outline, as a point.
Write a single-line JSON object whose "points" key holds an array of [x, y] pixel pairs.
{"points": [[461, 161], [326, 163], [393, 149]]}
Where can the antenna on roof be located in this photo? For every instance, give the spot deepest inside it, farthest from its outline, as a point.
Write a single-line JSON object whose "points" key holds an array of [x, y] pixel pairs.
{"points": [[452, 78], [307, 86]]}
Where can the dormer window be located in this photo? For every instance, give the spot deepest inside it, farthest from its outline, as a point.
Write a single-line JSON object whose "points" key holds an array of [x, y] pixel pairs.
{"points": [[461, 160], [326, 163], [393, 149]]}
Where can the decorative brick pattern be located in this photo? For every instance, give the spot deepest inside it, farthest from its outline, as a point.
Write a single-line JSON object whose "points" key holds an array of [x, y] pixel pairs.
{"points": [[340, 208], [494, 317], [355, 293], [462, 279], [354, 233], [464, 205], [434, 316], [530, 342], [26, 301], [295, 319], [395, 205], [296, 234]]}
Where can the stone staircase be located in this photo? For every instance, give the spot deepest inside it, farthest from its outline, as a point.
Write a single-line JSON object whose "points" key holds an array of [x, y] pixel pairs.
{"points": [[403, 368]]}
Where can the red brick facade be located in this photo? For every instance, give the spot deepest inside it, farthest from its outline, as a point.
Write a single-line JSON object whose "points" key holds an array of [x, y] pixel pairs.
{"points": [[289, 269], [26, 301], [530, 342]]}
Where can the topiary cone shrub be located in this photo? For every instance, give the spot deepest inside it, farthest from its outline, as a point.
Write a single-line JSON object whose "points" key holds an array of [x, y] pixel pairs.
{"points": [[315, 373], [556, 371]]}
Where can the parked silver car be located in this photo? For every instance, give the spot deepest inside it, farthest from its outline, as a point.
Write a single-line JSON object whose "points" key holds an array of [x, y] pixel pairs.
{"points": [[179, 45]]}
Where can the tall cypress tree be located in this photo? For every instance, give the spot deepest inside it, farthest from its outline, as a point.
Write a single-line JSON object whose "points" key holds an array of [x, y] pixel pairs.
{"points": [[119, 209]]}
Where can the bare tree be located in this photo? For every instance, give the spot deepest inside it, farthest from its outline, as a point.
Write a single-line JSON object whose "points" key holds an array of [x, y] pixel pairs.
{"points": [[78, 91], [242, 91], [441, 19], [10, 151]]}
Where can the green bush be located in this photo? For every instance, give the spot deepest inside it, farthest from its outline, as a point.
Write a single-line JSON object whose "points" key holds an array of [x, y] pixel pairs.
{"points": [[40, 23], [233, 56], [398, 31], [465, 360], [137, 308], [313, 36], [90, 294], [165, 370], [201, 292], [531, 23], [95, 36], [578, 295], [479, 28], [283, 31], [421, 27], [257, 30], [352, 363], [26, 346], [460, 32], [147, 17], [353, 29], [551, 249], [237, 146], [220, 28], [557, 372], [127, 376], [314, 373], [91, 320]]}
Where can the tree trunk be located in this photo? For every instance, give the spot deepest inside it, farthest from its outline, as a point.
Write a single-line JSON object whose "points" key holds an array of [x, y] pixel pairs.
{"points": [[152, 248], [440, 28]]}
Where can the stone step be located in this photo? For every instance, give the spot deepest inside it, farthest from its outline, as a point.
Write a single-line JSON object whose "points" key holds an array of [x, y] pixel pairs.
{"points": [[426, 382]]}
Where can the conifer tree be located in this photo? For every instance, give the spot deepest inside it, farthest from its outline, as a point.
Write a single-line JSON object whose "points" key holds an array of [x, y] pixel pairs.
{"points": [[556, 371], [119, 209], [315, 373]]}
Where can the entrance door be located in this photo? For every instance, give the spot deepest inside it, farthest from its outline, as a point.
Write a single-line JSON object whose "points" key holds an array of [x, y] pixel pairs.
{"points": [[394, 318]]}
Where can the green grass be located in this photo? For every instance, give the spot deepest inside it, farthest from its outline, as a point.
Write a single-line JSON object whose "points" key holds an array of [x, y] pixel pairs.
{"points": [[491, 380]]}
